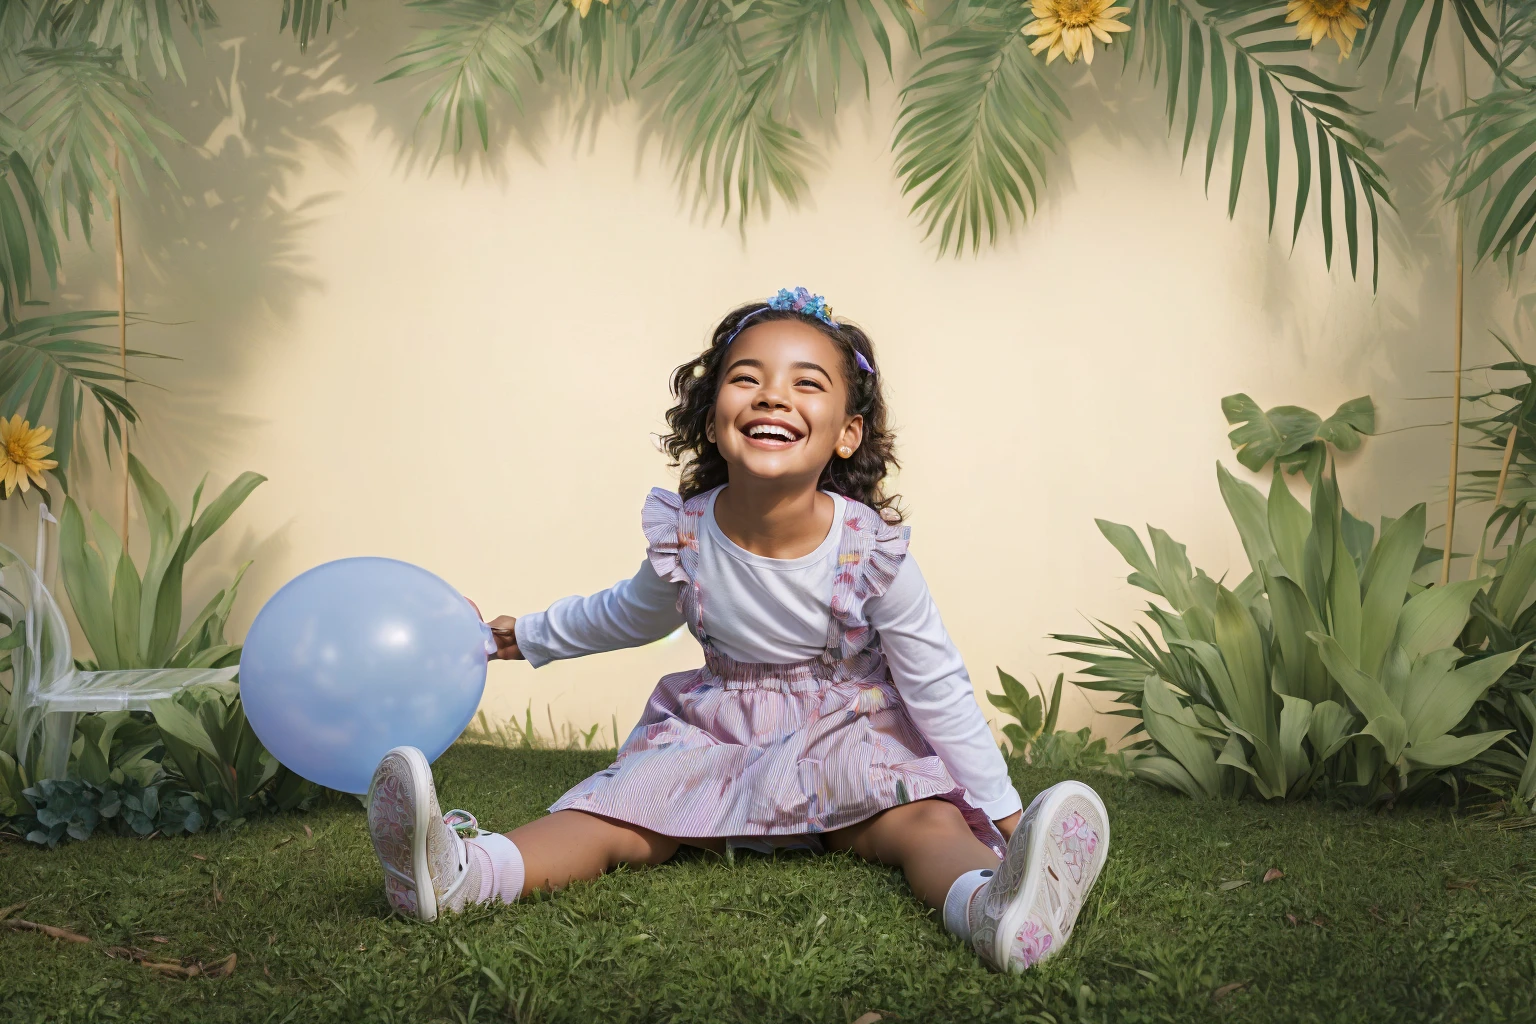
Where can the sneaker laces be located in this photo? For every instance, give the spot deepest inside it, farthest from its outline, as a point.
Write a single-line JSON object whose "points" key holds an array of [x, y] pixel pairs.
{"points": [[462, 822]]}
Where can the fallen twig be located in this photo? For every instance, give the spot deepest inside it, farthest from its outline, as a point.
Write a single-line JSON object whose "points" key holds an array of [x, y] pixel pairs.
{"points": [[47, 929]]}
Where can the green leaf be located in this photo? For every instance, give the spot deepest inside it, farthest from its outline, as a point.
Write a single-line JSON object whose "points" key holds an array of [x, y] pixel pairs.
{"points": [[1196, 72], [1391, 564], [1271, 144], [1449, 751], [1218, 101], [1325, 191], [85, 580], [1364, 690], [1303, 166], [221, 508], [1247, 507], [1289, 524], [1512, 587], [1434, 618], [1344, 602], [1175, 730], [1263, 436], [1242, 109], [1329, 729], [125, 613], [1348, 422]]}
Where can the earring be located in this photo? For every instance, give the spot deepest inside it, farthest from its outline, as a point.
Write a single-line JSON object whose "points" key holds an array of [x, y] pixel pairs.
{"points": [[845, 451]]}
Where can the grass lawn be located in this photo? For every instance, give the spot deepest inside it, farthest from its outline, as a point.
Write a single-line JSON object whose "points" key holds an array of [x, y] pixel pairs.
{"points": [[1405, 916]]}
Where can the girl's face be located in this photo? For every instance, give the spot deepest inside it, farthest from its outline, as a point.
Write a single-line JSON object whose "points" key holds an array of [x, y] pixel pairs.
{"points": [[781, 412]]}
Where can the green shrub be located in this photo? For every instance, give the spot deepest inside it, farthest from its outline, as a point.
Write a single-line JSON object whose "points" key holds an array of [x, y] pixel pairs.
{"points": [[1328, 662]]}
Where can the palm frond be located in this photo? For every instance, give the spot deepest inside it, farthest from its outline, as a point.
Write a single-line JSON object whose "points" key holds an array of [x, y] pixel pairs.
{"points": [[1218, 57], [1499, 160], [602, 49], [47, 362], [478, 47], [24, 223], [1479, 34], [721, 124], [977, 125], [79, 109], [303, 18], [136, 28]]}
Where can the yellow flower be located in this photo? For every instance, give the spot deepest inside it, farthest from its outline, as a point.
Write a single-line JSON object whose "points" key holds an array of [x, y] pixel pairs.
{"points": [[583, 6], [21, 454], [1320, 19], [1067, 26]]}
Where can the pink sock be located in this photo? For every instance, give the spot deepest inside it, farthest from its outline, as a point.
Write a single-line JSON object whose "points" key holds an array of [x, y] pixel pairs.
{"points": [[501, 867]]}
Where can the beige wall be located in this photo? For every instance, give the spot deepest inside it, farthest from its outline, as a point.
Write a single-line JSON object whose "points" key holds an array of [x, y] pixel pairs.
{"points": [[462, 367]]}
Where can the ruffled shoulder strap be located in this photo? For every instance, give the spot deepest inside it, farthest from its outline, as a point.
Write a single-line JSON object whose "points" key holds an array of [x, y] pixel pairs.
{"points": [[867, 562], [661, 519]]}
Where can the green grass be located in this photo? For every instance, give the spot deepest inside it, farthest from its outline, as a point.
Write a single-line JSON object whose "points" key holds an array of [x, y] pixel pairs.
{"points": [[1404, 916]]}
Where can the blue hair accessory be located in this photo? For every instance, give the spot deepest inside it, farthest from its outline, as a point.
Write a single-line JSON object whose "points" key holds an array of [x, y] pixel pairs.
{"points": [[802, 301]]}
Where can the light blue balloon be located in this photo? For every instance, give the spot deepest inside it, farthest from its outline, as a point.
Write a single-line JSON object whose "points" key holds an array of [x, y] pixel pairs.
{"points": [[355, 657]]}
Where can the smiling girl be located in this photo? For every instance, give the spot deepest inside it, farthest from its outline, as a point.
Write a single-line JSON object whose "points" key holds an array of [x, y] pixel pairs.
{"points": [[832, 711]]}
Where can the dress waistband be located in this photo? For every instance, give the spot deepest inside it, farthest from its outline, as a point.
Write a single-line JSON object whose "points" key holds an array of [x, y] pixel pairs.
{"points": [[795, 677]]}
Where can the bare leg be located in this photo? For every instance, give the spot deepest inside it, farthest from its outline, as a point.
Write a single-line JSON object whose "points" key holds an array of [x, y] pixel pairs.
{"points": [[570, 846], [927, 839]]}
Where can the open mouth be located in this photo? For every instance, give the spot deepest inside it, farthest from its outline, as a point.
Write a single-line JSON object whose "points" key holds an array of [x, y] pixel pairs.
{"points": [[771, 434]]}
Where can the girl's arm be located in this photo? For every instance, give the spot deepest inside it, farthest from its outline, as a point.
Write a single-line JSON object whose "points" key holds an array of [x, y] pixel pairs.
{"points": [[630, 613], [931, 678]]}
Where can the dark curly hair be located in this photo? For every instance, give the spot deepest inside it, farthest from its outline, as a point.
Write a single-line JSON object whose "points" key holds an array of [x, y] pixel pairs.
{"points": [[696, 383]]}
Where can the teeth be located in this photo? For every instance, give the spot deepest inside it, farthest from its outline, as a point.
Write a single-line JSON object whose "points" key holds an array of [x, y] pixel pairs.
{"points": [[765, 430]]}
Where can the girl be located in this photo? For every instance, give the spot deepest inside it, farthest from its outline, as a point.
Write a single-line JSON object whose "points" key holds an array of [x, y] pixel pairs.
{"points": [[832, 711]]}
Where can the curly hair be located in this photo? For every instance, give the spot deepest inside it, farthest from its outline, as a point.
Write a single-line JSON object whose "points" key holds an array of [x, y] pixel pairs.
{"points": [[696, 383]]}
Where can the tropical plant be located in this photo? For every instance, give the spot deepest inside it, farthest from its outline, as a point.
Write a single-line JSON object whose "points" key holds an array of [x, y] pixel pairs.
{"points": [[1328, 663], [133, 620], [214, 752], [1033, 735]]}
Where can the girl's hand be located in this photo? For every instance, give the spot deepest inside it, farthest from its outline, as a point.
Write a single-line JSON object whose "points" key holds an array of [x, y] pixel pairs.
{"points": [[1008, 824], [503, 630]]}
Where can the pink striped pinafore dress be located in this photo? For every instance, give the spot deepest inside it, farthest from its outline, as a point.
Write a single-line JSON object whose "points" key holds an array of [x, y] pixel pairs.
{"points": [[770, 755]]}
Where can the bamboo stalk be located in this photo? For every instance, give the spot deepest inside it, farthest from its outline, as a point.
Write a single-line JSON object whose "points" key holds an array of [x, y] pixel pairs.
{"points": [[1461, 281], [122, 325], [1450, 499], [1498, 495]]}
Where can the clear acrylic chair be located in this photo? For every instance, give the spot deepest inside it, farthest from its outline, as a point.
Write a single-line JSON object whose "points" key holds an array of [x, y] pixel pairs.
{"points": [[47, 690]]}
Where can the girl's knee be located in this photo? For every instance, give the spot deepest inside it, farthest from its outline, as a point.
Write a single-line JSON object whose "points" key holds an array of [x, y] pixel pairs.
{"points": [[931, 815]]}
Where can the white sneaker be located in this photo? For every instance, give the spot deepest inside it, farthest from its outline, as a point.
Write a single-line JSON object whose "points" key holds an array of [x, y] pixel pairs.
{"points": [[1028, 909], [427, 866]]}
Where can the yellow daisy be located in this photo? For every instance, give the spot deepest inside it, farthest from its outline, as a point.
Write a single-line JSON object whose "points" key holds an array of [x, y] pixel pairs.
{"points": [[1067, 26], [1327, 19], [583, 6], [21, 454]]}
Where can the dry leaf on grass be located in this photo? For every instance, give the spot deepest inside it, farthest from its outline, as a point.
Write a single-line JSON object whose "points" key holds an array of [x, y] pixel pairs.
{"points": [[1273, 875], [1454, 884], [159, 938], [6, 912], [47, 929], [1291, 920], [1228, 989], [309, 833], [1236, 884], [218, 897], [868, 1018], [198, 856]]}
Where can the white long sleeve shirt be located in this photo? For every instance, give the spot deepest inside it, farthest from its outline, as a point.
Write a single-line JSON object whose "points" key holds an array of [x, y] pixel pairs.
{"points": [[777, 611]]}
